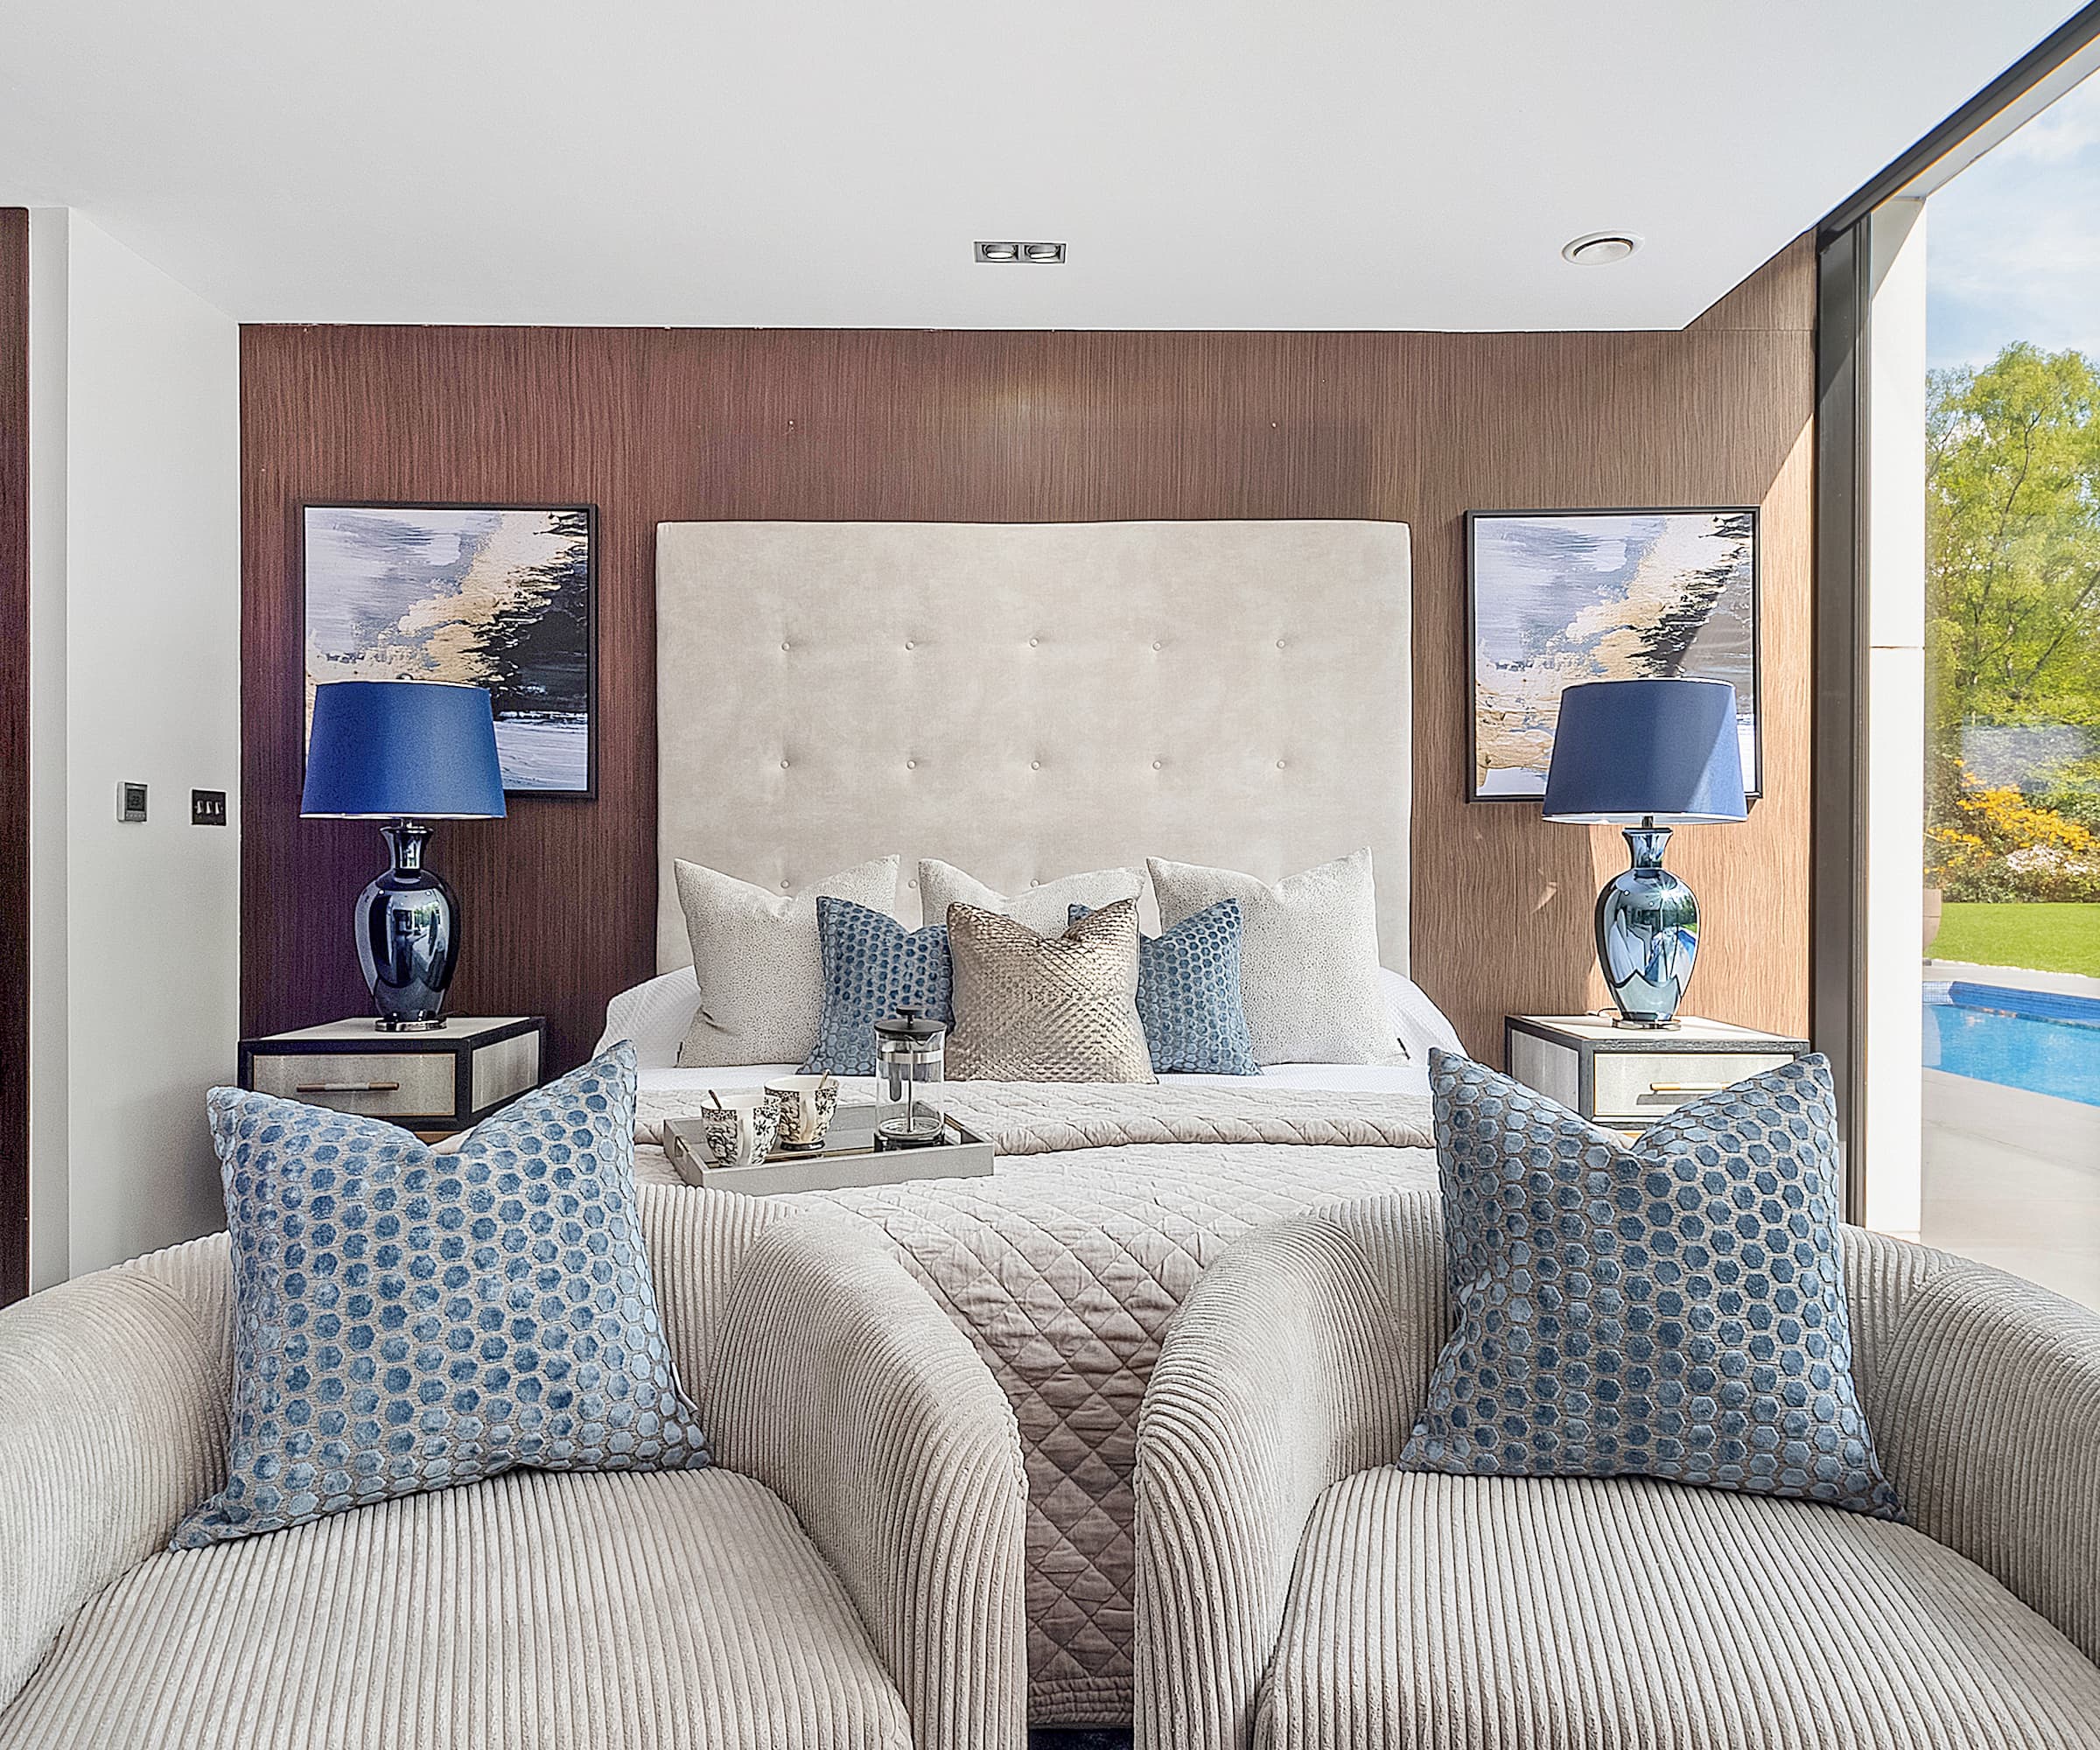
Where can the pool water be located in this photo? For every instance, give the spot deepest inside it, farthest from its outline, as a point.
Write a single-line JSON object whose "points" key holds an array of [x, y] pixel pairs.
{"points": [[2034, 1040]]}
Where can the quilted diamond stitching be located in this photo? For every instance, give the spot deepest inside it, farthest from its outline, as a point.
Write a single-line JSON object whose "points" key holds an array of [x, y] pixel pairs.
{"points": [[1034, 1008], [1065, 1268]]}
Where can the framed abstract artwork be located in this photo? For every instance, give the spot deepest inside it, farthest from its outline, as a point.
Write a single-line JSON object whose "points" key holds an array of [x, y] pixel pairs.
{"points": [[1555, 597], [496, 596]]}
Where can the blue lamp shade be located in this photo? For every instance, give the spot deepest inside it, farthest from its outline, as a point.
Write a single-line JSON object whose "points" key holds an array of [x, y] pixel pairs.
{"points": [[1628, 751], [402, 750]]}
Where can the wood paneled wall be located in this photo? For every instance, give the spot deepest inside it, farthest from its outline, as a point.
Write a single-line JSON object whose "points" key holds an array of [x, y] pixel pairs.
{"points": [[654, 425], [14, 752]]}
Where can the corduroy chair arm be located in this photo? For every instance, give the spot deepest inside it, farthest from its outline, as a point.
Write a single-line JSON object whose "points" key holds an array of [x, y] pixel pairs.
{"points": [[1284, 1371], [113, 1407], [1986, 1406], [842, 1387]]}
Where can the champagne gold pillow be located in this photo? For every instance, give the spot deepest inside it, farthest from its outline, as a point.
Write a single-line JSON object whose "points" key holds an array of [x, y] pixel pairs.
{"points": [[1035, 1008]]}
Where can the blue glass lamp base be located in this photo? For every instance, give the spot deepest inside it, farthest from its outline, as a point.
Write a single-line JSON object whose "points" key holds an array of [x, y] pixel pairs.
{"points": [[1647, 934], [408, 935]]}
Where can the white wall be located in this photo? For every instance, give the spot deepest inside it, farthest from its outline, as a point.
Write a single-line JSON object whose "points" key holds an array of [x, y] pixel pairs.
{"points": [[149, 981]]}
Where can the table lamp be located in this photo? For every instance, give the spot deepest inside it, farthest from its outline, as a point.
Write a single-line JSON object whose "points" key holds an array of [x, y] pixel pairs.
{"points": [[404, 752], [1647, 755]]}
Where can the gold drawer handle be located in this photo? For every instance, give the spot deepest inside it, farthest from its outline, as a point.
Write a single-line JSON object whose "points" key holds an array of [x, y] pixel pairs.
{"points": [[347, 1088], [1687, 1086]]}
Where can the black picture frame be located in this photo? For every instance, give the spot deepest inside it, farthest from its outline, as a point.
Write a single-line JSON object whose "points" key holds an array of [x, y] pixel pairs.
{"points": [[304, 512], [1754, 771]]}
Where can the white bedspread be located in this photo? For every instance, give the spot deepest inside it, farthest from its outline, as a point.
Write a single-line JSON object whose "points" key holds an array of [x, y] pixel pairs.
{"points": [[1065, 1266]]}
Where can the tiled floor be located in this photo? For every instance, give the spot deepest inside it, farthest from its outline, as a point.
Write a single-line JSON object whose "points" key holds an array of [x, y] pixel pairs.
{"points": [[2013, 1178]]}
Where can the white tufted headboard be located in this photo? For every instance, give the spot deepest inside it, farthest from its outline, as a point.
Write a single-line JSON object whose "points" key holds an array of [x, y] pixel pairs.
{"points": [[1028, 700]]}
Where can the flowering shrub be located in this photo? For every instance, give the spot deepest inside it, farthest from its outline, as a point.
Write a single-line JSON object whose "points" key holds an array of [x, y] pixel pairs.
{"points": [[1994, 844]]}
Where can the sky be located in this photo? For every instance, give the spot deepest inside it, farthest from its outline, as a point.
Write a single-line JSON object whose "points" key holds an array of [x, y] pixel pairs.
{"points": [[2013, 243]]}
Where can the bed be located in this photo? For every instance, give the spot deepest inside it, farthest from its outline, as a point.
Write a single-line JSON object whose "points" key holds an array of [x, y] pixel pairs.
{"points": [[1026, 701], [1065, 1267]]}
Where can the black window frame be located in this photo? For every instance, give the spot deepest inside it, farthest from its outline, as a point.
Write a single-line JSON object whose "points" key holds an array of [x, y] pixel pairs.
{"points": [[1843, 437]]}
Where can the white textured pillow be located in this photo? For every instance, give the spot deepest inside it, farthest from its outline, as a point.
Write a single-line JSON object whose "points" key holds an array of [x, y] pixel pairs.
{"points": [[1045, 909], [757, 961], [1308, 956]]}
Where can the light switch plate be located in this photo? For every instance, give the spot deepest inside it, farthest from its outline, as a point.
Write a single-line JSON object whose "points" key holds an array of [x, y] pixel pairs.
{"points": [[130, 803], [207, 807]]}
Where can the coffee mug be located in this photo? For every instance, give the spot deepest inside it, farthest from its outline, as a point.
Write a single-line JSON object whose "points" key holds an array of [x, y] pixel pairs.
{"points": [[740, 1129], [806, 1102]]}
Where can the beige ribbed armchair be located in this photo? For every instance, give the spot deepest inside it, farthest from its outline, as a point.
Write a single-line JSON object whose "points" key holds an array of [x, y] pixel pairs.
{"points": [[1294, 1591], [847, 1575]]}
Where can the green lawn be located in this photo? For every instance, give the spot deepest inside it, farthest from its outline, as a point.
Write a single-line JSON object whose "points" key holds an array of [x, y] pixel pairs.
{"points": [[2040, 938]]}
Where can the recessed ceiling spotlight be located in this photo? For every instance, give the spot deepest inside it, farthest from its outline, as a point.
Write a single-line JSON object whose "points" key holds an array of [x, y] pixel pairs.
{"points": [[1039, 255], [1600, 248]]}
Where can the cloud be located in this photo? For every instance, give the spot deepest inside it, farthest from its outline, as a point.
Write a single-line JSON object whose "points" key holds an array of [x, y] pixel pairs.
{"points": [[2013, 242], [2060, 132]]}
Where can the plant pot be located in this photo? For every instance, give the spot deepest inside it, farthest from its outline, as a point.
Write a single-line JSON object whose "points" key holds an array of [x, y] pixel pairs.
{"points": [[1934, 908]]}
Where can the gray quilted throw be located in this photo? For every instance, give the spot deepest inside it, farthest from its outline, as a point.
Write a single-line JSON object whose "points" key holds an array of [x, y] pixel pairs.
{"points": [[1674, 1308]]}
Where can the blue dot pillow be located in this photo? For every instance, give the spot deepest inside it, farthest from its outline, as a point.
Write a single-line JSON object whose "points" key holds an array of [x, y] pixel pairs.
{"points": [[406, 1320], [1188, 994], [1673, 1307], [873, 964]]}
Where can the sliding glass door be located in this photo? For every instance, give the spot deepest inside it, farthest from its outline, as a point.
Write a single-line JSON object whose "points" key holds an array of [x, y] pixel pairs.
{"points": [[1959, 754]]}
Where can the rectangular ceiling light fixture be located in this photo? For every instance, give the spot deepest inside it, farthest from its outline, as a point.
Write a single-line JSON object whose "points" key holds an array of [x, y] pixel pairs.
{"points": [[1040, 255]]}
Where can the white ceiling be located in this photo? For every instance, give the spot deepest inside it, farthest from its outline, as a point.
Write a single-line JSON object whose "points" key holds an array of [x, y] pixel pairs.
{"points": [[1234, 164]]}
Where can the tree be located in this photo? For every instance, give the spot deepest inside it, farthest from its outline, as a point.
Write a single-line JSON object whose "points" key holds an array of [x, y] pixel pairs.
{"points": [[2013, 587]]}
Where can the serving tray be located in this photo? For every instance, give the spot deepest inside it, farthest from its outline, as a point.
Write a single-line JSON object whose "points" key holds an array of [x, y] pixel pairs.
{"points": [[848, 1158]]}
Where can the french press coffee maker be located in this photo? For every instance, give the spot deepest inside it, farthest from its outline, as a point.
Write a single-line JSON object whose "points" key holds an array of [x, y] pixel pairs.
{"points": [[909, 1054]]}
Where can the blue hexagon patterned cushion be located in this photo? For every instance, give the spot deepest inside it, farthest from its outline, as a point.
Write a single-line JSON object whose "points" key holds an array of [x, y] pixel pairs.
{"points": [[1672, 1308], [406, 1320], [872, 965], [1188, 994]]}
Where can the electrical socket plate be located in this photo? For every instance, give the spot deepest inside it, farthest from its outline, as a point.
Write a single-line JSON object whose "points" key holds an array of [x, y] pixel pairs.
{"points": [[207, 807]]}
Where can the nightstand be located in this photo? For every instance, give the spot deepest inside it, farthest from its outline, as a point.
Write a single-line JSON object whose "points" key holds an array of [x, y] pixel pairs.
{"points": [[1625, 1078], [434, 1083]]}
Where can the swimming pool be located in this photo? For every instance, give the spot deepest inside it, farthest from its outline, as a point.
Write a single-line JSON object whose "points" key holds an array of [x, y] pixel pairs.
{"points": [[2034, 1040]]}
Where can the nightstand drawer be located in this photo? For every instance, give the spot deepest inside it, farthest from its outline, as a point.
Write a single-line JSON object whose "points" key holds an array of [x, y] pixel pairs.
{"points": [[443, 1079], [376, 1084], [1649, 1083], [1625, 1078]]}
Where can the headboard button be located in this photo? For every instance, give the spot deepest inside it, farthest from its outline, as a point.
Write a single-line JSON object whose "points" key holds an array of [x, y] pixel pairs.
{"points": [[911, 765], [1035, 764]]}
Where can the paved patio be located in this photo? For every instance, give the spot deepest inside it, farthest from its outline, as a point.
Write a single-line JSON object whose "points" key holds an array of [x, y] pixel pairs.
{"points": [[2013, 1178]]}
